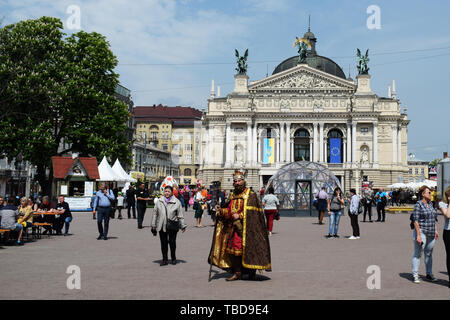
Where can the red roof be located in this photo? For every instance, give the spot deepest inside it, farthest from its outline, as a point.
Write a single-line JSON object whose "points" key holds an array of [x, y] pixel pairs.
{"points": [[162, 113], [62, 165]]}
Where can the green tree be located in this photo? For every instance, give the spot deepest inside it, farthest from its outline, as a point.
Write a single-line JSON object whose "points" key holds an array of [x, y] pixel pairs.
{"points": [[58, 90], [434, 162]]}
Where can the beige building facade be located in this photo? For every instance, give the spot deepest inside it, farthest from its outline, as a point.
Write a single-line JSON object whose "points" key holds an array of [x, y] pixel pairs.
{"points": [[309, 112]]}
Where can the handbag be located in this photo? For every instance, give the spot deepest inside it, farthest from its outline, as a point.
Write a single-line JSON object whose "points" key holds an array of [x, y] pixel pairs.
{"points": [[195, 206], [173, 225], [277, 216], [334, 206]]}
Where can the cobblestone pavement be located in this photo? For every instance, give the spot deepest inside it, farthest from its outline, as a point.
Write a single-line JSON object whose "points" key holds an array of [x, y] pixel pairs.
{"points": [[306, 265]]}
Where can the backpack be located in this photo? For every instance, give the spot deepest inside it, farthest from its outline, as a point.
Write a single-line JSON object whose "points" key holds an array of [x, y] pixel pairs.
{"points": [[411, 224], [360, 207]]}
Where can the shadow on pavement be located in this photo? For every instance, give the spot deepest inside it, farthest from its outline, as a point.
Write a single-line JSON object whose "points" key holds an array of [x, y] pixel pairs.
{"points": [[409, 277], [178, 261]]}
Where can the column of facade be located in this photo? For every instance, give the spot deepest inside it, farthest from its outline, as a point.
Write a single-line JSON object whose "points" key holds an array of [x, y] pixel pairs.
{"points": [[288, 142], [349, 143], [375, 143], [258, 145], [282, 143], [320, 142], [228, 145], [249, 143], [354, 158], [254, 145], [399, 145], [311, 149], [315, 147], [344, 151], [394, 144], [207, 151]]}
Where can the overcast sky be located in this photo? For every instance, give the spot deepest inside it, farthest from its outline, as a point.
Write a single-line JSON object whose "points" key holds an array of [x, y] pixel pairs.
{"points": [[169, 51]]}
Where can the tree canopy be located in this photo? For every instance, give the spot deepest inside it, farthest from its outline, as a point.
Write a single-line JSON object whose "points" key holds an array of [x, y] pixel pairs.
{"points": [[57, 94]]}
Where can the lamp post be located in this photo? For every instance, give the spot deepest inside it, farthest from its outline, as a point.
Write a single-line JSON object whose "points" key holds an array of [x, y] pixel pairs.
{"points": [[19, 159]]}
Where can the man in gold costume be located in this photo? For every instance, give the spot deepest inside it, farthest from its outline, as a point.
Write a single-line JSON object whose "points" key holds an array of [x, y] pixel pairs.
{"points": [[240, 242]]}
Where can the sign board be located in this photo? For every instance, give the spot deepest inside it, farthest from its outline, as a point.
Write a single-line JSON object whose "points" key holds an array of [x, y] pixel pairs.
{"points": [[79, 203], [64, 190], [88, 188]]}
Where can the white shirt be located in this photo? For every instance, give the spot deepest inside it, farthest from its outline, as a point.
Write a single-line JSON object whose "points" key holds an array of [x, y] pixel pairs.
{"points": [[270, 201], [120, 201], [442, 204]]}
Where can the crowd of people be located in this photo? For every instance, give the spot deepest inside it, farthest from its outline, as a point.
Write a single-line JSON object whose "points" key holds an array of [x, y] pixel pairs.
{"points": [[19, 216], [168, 217]]}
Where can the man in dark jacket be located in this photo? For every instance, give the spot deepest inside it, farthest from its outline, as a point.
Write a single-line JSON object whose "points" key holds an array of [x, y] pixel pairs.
{"points": [[131, 201], [65, 216], [142, 196]]}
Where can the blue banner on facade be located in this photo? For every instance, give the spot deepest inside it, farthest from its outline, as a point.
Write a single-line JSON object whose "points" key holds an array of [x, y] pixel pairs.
{"points": [[335, 150]]}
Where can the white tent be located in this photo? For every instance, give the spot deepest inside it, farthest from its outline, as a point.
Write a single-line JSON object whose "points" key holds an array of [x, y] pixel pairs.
{"points": [[107, 173], [398, 185], [117, 168]]}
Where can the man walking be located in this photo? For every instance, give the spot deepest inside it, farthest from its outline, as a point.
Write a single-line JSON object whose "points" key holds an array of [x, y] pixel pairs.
{"points": [[142, 196], [102, 205], [381, 198], [131, 201]]}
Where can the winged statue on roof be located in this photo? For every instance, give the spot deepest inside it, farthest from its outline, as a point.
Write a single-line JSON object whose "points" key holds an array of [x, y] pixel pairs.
{"points": [[362, 62], [241, 62]]}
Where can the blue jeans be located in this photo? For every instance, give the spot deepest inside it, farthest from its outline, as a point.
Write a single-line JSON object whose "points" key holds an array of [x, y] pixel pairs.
{"points": [[334, 222], [67, 224], [103, 215], [427, 247]]}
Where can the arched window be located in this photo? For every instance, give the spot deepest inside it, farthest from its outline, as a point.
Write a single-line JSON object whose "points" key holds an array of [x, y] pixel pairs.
{"points": [[334, 146], [301, 145], [187, 172]]}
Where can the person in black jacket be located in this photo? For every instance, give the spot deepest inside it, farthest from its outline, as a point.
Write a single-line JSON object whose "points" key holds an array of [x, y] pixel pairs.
{"points": [[142, 196], [131, 201], [65, 216]]}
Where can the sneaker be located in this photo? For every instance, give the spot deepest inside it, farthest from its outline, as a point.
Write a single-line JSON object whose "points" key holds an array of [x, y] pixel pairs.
{"points": [[416, 279], [352, 238], [336, 236], [358, 237], [431, 278], [100, 238], [328, 236]]}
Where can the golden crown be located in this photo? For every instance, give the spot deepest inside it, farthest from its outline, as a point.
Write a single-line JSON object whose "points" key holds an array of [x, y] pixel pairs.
{"points": [[239, 174]]}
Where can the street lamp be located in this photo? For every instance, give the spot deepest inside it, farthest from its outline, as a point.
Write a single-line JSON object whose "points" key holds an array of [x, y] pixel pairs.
{"points": [[19, 159]]}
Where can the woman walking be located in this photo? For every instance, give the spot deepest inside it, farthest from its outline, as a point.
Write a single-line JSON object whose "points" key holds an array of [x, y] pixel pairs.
{"points": [[322, 200], [425, 234], [335, 205], [443, 206], [168, 219], [271, 205], [199, 208]]}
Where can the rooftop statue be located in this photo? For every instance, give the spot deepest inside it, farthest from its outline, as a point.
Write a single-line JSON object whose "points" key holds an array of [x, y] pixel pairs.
{"points": [[303, 45], [241, 62], [362, 62]]}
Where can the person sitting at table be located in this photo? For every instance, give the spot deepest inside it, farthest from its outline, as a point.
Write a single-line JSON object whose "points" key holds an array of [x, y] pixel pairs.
{"points": [[46, 206], [9, 216], [63, 209], [26, 213]]}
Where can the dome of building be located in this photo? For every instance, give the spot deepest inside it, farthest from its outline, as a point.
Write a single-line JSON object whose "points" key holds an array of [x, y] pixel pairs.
{"points": [[313, 60]]}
